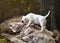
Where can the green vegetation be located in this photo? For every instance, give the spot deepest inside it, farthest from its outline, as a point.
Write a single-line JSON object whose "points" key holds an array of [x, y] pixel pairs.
{"points": [[22, 1], [3, 40], [29, 7]]}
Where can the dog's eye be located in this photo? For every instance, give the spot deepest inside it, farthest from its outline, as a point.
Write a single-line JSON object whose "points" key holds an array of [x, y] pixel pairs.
{"points": [[22, 21]]}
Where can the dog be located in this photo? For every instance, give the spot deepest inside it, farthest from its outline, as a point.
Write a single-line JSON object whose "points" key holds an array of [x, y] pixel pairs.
{"points": [[35, 19]]}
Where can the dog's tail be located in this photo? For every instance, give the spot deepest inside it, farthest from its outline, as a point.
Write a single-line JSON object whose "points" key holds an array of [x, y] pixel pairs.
{"points": [[47, 14]]}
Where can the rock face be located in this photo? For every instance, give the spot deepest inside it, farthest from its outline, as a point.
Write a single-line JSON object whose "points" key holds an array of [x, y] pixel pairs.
{"points": [[30, 34]]}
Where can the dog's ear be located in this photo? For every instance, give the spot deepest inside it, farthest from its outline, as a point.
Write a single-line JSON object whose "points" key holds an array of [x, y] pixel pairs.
{"points": [[24, 17]]}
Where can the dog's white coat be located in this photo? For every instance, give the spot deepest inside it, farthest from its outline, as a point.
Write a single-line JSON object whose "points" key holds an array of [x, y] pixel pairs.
{"points": [[36, 19]]}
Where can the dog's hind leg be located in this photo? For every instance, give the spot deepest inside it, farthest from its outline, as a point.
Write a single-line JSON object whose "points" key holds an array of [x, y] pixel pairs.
{"points": [[43, 25]]}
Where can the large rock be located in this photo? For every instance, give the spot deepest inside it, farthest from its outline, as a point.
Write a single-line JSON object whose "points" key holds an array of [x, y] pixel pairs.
{"points": [[31, 35]]}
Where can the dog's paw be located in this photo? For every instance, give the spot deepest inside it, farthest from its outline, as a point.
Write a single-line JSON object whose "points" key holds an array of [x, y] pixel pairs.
{"points": [[42, 29]]}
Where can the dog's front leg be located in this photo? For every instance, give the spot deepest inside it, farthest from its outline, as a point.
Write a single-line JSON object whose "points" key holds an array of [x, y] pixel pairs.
{"points": [[30, 21], [41, 29]]}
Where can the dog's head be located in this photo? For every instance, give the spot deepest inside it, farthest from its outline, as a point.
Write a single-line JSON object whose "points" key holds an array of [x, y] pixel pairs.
{"points": [[24, 19]]}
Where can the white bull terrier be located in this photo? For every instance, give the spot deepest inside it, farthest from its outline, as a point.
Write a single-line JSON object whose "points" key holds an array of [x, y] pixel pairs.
{"points": [[35, 19]]}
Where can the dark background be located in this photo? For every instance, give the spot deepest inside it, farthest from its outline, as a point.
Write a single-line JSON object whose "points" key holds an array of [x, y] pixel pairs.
{"points": [[57, 12], [10, 8]]}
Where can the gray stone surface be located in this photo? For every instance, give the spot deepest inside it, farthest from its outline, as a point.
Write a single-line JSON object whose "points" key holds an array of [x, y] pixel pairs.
{"points": [[30, 35]]}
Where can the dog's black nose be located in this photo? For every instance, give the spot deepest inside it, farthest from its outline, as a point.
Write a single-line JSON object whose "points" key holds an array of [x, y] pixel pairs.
{"points": [[22, 21]]}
